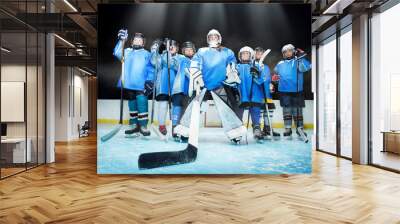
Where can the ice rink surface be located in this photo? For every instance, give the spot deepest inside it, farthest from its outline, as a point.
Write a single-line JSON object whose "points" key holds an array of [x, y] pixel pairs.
{"points": [[216, 155]]}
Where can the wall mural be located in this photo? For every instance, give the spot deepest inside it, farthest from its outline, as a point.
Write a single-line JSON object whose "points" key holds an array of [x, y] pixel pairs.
{"points": [[206, 88]]}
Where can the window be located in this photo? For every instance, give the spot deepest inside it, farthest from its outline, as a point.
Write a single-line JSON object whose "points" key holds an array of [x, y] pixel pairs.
{"points": [[326, 92], [385, 89], [346, 92], [22, 75]]}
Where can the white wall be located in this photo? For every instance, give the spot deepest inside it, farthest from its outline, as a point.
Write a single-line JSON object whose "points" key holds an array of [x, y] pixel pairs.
{"points": [[71, 102], [62, 81], [108, 111]]}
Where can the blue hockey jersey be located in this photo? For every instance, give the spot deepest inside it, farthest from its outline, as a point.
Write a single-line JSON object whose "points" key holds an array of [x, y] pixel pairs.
{"points": [[212, 62], [136, 66], [162, 85], [181, 82], [257, 94], [292, 75]]}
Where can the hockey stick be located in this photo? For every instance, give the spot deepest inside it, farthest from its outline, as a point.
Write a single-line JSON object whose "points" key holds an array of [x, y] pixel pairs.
{"points": [[169, 81], [268, 116], [161, 159], [117, 128], [154, 91], [299, 129], [262, 58], [248, 110], [261, 65]]}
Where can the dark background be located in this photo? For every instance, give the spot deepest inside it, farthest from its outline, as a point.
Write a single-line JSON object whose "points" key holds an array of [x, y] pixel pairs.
{"points": [[267, 25]]}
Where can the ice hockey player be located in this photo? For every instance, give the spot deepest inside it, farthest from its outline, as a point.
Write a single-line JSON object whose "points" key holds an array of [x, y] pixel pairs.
{"points": [[251, 87], [214, 68], [180, 88], [136, 66], [268, 89], [163, 85], [290, 71], [152, 73]]}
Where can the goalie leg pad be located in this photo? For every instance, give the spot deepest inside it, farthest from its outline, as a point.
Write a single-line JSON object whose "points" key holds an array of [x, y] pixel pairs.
{"points": [[236, 133], [230, 121], [183, 128]]}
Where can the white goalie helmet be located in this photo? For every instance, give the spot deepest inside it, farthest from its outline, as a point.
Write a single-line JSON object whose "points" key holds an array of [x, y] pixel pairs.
{"points": [[288, 47], [246, 49], [214, 43]]}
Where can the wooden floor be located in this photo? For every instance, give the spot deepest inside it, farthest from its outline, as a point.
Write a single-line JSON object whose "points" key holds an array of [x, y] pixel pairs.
{"points": [[387, 159], [70, 191]]}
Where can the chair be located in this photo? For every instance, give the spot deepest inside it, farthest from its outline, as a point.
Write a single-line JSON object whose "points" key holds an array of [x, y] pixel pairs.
{"points": [[84, 130]]}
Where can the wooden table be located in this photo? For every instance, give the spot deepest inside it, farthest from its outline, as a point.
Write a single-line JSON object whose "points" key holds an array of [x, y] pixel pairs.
{"points": [[391, 141], [13, 150]]}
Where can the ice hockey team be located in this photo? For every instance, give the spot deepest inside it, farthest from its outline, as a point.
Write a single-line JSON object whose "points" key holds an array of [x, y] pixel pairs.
{"points": [[171, 79]]}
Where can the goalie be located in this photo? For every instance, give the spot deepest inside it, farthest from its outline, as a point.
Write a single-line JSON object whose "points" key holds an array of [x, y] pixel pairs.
{"points": [[213, 69]]}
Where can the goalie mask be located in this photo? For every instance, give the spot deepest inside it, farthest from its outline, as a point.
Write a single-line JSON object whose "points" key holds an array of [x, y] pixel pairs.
{"points": [[246, 55], [188, 49], [214, 38], [288, 51], [138, 41]]}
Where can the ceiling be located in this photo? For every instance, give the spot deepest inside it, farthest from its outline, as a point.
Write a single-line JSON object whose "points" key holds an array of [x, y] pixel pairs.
{"points": [[75, 22]]}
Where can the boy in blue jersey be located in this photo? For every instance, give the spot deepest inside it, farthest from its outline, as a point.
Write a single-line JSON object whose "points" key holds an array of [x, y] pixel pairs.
{"points": [[252, 78], [180, 88], [165, 80], [136, 67], [290, 71], [269, 103]]}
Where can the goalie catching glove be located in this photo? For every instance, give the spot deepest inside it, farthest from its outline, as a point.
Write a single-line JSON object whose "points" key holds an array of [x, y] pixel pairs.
{"points": [[232, 77]]}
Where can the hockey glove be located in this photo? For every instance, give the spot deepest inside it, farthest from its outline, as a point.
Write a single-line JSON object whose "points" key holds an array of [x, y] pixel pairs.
{"points": [[123, 34], [148, 88], [275, 77], [162, 48], [232, 77], [196, 81], [299, 52], [255, 73], [154, 48]]}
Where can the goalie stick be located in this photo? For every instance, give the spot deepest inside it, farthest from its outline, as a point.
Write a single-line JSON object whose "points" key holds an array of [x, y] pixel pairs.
{"points": [[161, 159]]}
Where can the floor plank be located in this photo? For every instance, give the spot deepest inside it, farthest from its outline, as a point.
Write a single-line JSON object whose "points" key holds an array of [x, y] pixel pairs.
{"points": [[70, 191]]}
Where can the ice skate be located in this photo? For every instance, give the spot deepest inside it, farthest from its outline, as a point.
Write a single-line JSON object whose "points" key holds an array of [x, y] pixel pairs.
{"points": [[288, 133], [257, 134], [132, 132]]}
